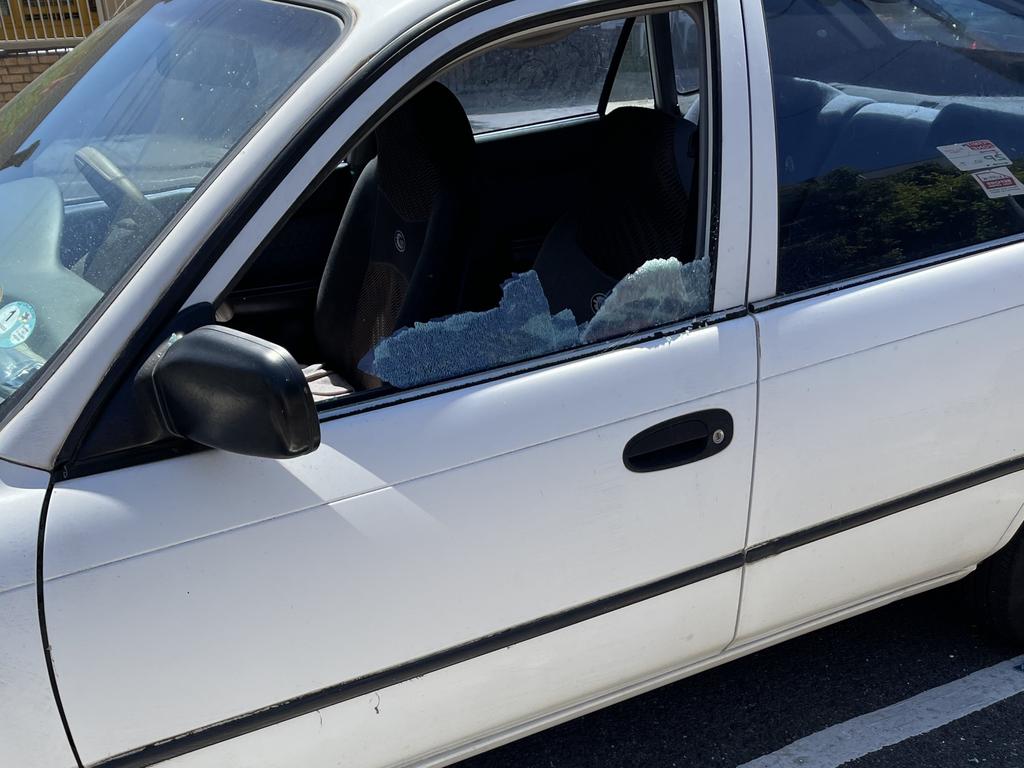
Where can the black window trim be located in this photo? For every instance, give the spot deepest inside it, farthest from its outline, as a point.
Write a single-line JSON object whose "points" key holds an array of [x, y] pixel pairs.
{"points": [[614, 65]]}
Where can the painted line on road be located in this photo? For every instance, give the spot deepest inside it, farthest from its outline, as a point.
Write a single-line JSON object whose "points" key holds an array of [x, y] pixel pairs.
{"points": [[860, 736]]}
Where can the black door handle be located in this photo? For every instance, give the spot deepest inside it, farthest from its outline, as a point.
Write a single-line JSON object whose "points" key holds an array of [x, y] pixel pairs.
{"points": [[679, 441]]}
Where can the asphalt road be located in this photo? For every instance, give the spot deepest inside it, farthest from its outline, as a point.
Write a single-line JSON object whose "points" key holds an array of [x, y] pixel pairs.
{"points": [[762, 703]]}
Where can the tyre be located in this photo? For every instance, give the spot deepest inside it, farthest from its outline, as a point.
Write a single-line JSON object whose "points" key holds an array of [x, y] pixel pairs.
{"points": [[999, 591]]}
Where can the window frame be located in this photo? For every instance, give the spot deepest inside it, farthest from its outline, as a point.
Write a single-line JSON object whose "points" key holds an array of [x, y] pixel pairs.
{"points": [[361, 402], [355, 117], [370, 400], [375, 399]]}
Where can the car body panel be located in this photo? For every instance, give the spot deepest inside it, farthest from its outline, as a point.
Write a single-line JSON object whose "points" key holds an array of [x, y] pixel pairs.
{"points": [[400, 537], [912, 547], [939, 342], [449, 714], [923, 366], [763, 252], [272, 746], [33, 733]]}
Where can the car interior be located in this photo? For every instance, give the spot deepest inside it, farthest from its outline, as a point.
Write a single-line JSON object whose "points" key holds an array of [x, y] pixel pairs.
{"points": [[425, 220]]}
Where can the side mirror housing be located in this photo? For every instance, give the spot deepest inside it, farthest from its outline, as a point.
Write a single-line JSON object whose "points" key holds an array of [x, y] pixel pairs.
{"points": [[226, 389]]}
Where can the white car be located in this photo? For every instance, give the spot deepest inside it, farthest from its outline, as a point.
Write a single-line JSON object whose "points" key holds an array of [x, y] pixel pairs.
{"points": [[385, 381]]}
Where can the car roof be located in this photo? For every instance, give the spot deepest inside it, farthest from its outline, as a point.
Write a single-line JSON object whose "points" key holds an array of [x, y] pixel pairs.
{"points": [[396, 16], [378, 23]]}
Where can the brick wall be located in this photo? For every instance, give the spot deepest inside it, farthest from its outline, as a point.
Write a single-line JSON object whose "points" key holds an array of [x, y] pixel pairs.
{"points": [[19, 69]]}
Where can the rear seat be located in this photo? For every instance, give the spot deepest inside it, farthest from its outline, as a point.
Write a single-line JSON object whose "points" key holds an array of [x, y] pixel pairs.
{"points": [[823, 129], [965, 122], [809, 116], [880, 136]]}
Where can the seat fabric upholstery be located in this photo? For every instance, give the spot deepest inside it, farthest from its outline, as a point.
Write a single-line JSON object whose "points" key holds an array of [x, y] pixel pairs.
{"points": [[400, 250], [636, 209]]}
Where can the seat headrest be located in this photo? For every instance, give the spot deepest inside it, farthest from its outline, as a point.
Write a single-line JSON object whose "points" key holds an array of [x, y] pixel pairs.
{"points": [[424, 146], [636, 209]]}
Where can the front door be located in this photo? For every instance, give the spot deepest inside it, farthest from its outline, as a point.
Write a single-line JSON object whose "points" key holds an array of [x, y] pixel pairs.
{"points": [[199, 589]]}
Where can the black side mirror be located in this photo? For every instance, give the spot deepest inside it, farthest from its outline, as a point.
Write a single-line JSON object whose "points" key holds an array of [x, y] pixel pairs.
{"points": [[226, 389]]}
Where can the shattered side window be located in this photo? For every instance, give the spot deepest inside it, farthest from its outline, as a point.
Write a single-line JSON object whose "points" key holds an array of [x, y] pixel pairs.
{"points": [[522, 327], [460, 255]]}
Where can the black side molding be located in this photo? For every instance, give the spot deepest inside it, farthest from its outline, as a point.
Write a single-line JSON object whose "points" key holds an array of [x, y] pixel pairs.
{"points": [[871, 514], [336, 694]]}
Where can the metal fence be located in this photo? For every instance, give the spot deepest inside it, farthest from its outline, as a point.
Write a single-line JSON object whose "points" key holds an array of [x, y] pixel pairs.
{"points": [[33, 24]]}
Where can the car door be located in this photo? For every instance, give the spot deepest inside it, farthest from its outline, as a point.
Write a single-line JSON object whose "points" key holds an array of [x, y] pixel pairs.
{"points": [[32, 730], [890, 418], [452, 562]]}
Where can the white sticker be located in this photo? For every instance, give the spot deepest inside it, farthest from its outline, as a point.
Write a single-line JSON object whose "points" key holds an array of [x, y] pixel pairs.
{"points": [[999, 182], [17, 321], [975, 155]]}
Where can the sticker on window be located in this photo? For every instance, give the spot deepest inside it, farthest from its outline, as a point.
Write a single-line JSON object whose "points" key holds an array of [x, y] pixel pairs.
{"points": [[999, 182], [17, 321], [975, 155]]}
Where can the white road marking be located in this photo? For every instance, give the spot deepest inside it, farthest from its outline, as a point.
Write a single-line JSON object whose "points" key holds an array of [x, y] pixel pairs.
{"points": [[911, 717]]}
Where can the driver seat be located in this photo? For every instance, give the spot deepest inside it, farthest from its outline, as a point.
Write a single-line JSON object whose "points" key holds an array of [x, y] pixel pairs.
{"points": [[400, 251]]}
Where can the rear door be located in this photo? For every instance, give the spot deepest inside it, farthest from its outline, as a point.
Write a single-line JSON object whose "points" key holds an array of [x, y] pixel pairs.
{"points": [[889, 314], [454, 560]]}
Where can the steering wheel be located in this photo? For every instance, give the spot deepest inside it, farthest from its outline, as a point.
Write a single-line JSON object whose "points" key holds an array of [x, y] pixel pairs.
{"points": [[120, 193], [135, 219]]}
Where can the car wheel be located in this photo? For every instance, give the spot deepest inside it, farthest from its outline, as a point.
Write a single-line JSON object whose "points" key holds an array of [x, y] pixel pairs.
{"points": [[999, 591]]}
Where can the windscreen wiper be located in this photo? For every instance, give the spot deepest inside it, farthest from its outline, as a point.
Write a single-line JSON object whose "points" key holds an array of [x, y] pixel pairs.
{"points": [[18, 158]]}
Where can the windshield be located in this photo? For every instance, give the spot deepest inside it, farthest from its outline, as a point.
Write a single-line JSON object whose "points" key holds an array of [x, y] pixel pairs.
{"points": [[105, 147]]}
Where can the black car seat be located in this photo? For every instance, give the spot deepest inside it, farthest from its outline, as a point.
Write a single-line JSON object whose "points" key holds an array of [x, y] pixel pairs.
{"points": [[400, 251], [637, 207]]}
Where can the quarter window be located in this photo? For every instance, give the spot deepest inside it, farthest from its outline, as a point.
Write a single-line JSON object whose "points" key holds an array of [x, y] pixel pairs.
{"points": [[900, 131]]}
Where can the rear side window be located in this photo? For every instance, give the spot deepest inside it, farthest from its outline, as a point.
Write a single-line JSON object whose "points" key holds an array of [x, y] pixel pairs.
{"points": [[900, 131]]}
